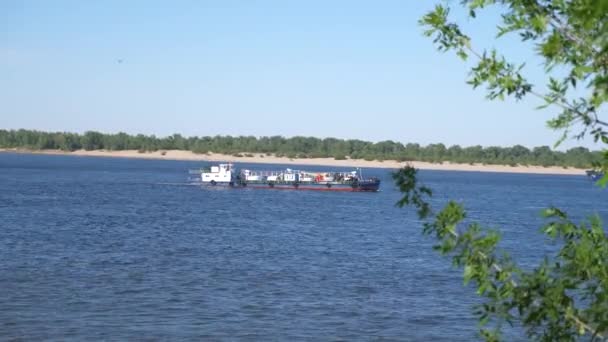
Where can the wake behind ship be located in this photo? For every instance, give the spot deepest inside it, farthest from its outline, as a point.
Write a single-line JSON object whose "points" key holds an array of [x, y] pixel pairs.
{"points": [[228, 175]]}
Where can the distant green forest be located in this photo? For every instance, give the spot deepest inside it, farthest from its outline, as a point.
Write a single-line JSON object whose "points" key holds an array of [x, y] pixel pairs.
{"points": [[300, 147]]}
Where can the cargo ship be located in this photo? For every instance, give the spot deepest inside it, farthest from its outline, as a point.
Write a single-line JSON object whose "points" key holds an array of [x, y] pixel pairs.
{"points": [[288, 179]]}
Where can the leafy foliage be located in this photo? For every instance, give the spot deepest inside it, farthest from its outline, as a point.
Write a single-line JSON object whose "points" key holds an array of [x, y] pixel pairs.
{"points": [[571, 35], [565, 298], [302, 147], [560, 300]]}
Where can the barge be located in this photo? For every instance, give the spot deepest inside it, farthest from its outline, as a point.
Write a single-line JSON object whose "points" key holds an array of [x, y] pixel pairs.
{"points": [[288, 179]]}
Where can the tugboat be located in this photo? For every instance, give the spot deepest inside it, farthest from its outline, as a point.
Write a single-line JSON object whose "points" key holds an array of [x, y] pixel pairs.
{"points": [[288, 179], [222, 174]]}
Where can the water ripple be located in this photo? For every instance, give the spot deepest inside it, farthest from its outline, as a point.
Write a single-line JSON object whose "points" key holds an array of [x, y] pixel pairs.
{"points": [[104, 249]]}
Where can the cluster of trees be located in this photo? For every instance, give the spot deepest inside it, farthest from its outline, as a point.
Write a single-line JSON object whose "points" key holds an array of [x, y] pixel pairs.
{"points": [[301, 147]]}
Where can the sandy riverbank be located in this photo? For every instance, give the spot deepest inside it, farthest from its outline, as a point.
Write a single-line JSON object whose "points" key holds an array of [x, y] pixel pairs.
{"points": [[263, 159]]}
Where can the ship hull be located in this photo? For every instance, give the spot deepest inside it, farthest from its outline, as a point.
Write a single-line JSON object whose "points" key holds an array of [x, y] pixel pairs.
{"points": [[365, 186]]}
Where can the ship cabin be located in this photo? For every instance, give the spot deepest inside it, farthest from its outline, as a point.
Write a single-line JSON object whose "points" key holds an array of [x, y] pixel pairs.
{"points": [[222, 173]]}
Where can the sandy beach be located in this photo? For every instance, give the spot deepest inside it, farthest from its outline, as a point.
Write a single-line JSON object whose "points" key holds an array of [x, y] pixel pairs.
{"points": [[264, 159]]}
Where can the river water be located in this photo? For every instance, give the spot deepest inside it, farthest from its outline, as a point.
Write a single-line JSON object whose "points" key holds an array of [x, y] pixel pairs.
{"points": [[116, 249]]}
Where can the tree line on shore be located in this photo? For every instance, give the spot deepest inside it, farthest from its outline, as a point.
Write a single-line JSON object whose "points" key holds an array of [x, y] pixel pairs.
{"points": [[300, 147]]}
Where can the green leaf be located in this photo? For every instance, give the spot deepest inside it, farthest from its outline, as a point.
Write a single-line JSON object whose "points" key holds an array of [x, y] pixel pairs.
{"points": [[463, 55], [468, 272]]}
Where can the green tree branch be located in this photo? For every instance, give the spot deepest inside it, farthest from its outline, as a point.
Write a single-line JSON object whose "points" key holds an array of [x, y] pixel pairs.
{"points": [[565, 297]]}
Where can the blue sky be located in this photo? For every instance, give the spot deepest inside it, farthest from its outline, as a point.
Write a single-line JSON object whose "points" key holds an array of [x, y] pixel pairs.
{"points": [[347, 69]]}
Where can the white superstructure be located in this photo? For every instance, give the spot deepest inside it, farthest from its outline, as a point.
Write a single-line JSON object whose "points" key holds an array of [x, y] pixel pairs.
{"points": [[222, 173]]}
